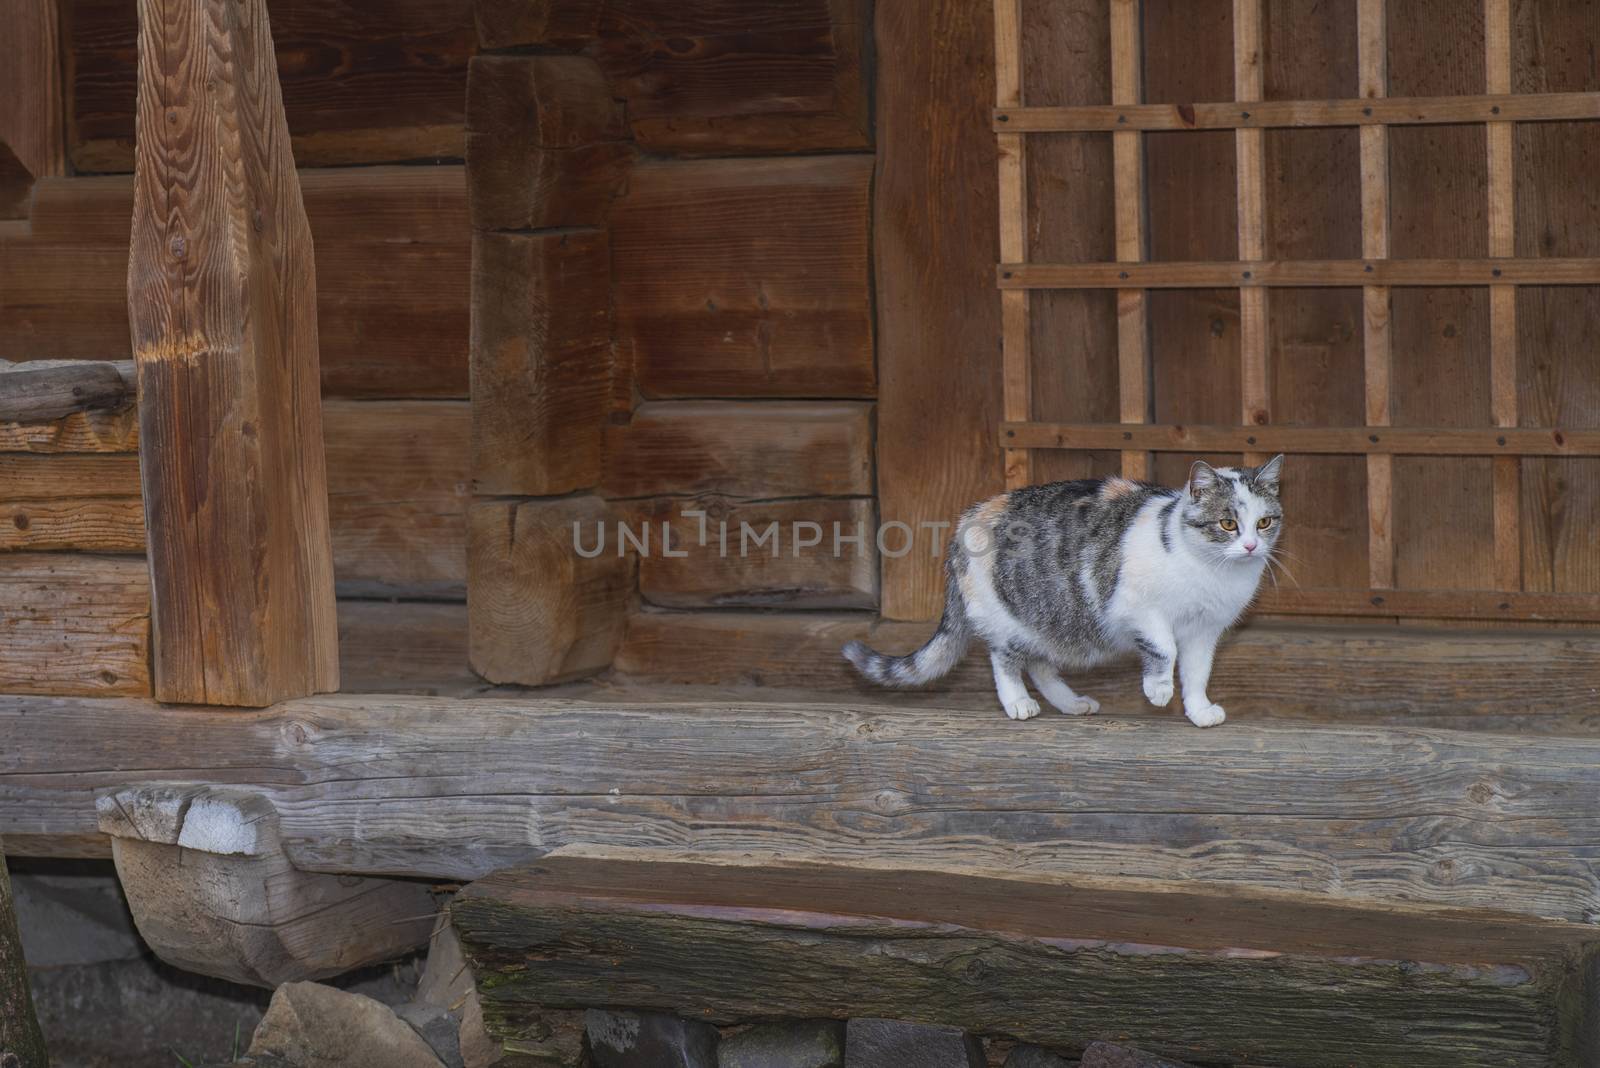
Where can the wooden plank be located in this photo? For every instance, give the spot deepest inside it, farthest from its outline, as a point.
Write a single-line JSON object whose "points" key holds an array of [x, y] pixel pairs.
{"points": [[541, 361], [937, 450], [75, 624], [1249, 84], [749, 449], [1401, 441], [79, 432], [1063, 965], [546, 143], [746, 278], [1437, 604], [1550, 271], [1502, 300], [45, 390], [222, 301], [1128, 192], [1017, 370], [393, 258], [360, 84], [417, 647], [724, 554], [1373, 48], [30, 88], [1267, 114], [393, 785], [538, 609], [88, 503], [1475, 680]]}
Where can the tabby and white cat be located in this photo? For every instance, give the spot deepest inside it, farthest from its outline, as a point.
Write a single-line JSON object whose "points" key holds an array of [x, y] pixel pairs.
{"points": [[1072, 574]]}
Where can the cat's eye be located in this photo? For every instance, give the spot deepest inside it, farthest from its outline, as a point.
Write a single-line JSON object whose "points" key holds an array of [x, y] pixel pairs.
{"points": [[1229, 525], [1265, 523]]}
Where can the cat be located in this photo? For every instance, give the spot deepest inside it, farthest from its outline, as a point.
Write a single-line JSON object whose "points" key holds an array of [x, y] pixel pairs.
{"points": [[1072, 574]]}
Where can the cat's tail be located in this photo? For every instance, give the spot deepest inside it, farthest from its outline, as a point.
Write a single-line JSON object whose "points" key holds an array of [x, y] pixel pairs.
{"points": [[935, 659]]}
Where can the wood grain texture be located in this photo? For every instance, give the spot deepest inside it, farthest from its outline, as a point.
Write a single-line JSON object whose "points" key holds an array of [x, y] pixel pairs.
{"points": [[1404, 441], [222, 302], [361, 84], [546, 143], [1053, 964], [538, 610], [80, 432], [1016, 362], [749, 449], [30, 88], [564, 24], [44, 390], [74, 624], [88, 503], [417, 647], [1249, 82], [938, 320], [730, 558], [1410, 818], [1372, 32], [393, 261], [740, 277], [541, 361], [1129, 199], [1418, 272], [1502, 299]]}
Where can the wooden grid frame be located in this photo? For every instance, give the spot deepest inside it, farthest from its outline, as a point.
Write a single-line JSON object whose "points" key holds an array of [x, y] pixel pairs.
{"points": [[1126, 118]]}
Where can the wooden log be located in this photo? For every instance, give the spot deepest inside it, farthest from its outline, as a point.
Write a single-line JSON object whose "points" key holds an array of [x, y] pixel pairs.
{"points": [[738, 277], [546, 143], [222, 301], [541, 367], [393, 261], [415, 647], [74, 624], [21, 1041], [1409, 818], [360, 84], [92, 525], [211, 891], [1471, 680], [776, 554], [538, 609], [44, 390], [1052, 963], [937, 431], [753, 449]]}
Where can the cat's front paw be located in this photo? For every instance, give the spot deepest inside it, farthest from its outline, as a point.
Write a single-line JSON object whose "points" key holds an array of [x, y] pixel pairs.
{"points": [[1158, 690], [1081, 706], [1208, 716], [1022, 708]]}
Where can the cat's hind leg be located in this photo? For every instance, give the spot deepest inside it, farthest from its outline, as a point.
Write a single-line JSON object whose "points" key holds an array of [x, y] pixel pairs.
{"points": [[1009, 686], [1057, 692]]}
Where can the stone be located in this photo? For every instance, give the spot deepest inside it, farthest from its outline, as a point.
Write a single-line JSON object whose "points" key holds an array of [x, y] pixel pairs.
{"points": [[439, 1028], [1110, 1055], [1026, 1056], [315, 1026], [873, 1043], [649, 1040], [788, 1044]]}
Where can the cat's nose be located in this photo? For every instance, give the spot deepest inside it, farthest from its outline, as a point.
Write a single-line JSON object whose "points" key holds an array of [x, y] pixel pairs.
{"points": [[1250, 546]]}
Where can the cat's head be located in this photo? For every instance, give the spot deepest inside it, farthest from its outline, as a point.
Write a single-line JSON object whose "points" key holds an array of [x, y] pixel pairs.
{"points": [[1234, 512]]}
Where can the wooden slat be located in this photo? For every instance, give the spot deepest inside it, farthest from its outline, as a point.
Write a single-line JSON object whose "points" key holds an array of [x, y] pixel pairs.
{"points": [[1248, 83], [74, 624], [1549, 271], [87, 503], [1267, 114], [222, 302], [1128, 193], [1437, 604], [1395, 441], [1015, 325], [1373, 60], [1502, 301]]}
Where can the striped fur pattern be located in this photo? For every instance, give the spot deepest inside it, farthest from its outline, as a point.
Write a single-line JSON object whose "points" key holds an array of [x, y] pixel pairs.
{"points": [[1065, 576]]}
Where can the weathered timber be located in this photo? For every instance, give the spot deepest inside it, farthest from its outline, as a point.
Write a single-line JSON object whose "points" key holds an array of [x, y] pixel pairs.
{"points": [[549, 23], [30, 88], [212, 892], [398, 487], [739, 277], [222, 302], [1048, 962], [79, 432], [937, 447], [21, 1041], [392, 257], [748, 449], [788, 554], [43, 390], [538, 610], [1522, 682], [74, 624], [360, 84], [85, 524], [541, 366], [546, 143], [404, 647], [1403, 817]]}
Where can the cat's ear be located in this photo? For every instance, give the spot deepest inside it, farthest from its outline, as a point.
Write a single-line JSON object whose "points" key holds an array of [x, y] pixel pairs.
{"points": [[1266, 476], [1202, 476]]}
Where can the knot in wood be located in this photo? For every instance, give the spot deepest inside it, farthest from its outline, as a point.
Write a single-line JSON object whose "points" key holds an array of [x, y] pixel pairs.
{"points": [[179, 246], [892, 802]]}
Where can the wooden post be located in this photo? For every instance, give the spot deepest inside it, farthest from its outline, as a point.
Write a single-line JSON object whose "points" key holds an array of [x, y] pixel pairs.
{"points": [[1248, 85], [222, 303], [1373, 42], [1502, 301], [1014, 319], [1127, 146], [21, 1042]]}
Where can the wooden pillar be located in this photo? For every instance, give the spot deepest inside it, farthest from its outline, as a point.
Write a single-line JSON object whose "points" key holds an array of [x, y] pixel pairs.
{"points": [[1502, 301], [1373, 44], [1017, 387], [1249, 85], [1127, 146], [222, 304]]}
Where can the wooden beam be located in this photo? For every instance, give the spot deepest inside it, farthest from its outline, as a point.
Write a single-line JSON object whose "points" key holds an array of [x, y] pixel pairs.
{"points": [[76, 624], [1503, 300], [1015, 324], [43, 390], [1549, 271], [222, 301], [87, 503], [98, 431], [1129, 195], [1511, 607], [1372, 30], [1404, 818], [1402, 441], [1269, 114], [1249, 147], [1061, 965]]}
